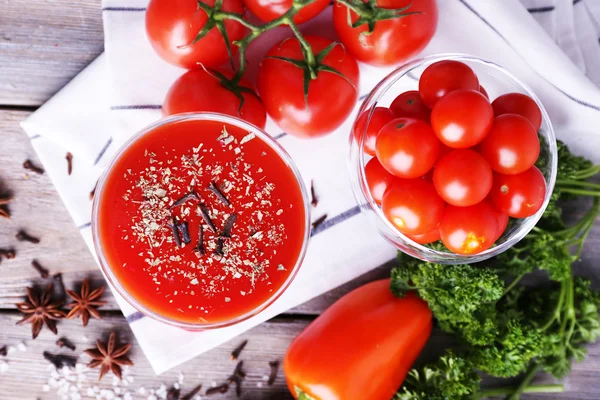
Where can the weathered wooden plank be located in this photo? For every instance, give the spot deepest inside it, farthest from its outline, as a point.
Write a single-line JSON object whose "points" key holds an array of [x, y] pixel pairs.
{"points": [[44, 44]]}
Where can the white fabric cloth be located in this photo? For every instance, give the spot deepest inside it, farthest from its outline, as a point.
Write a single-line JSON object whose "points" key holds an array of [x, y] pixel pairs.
{"points": [[122, 91]]}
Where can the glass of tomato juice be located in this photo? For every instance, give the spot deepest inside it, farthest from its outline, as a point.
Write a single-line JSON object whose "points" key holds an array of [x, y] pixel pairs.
{"points": [[201, 221], [496, 81]]}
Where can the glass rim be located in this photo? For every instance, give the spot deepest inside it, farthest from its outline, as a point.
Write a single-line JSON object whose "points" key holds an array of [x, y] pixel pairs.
{"points": [[373, 99], [200, 116]]}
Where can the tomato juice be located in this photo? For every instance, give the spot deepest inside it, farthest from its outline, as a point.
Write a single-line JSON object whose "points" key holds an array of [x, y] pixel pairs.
{"points": [[200, 221]]}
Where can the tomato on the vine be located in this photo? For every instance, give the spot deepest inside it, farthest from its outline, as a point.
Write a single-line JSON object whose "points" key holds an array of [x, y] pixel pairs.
{"points": [[379, 118], [172, 26], [426, 238], [512, 145], [378, 179], [462, 118], [331, 95], [519, 103], [520, 195], [409, 104], [268, 10], [394, 39], [407, 147], [462, 177], [413, 206], [443, 77], [198, 90], [469, 230]]}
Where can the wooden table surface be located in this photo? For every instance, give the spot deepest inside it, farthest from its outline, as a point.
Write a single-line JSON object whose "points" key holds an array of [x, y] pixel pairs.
{"points": [[44, 44]]}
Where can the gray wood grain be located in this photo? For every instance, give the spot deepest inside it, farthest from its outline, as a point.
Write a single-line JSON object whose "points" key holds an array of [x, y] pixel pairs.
{"points": [[44, 44]]}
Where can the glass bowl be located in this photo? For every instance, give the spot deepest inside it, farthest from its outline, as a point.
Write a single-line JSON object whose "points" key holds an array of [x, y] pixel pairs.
{"points": [[227, 121], [497, 81]]}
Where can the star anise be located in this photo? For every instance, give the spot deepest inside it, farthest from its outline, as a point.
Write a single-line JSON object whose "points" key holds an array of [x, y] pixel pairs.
{"points": [[40, 310], [85, 303], [109, 356]]}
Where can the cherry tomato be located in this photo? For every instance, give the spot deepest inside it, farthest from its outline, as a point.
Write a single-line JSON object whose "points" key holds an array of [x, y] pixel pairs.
{"points": [[407, 147], [172, 26], [462, 118], [512, 146], [413, 206], [443, 77], [268, 10], [484, 92], [518, 103], [410, 105], [392, 40], [198, 90], [426, 238], [380, 117], [331, 98], [501, 220], [520, 195], [462, 177], [378, 179], [469, 230]]}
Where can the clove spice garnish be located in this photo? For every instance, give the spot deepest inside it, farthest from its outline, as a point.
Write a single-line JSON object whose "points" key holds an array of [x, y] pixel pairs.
{"points": [[27, 164], [192, 393], [203, 211], [41, 270], [319, 221], [173, 225], [200, 250], [186, 197], [228, 226], [237, 377], [217, 192], [3, 351], [69, 158], [314, 199], [184, 232], [9, 254], [273, 375], [23, 236], [3, 211], [238, 350], [64, 342], [59, 292], [217, 389], [173, 394], [60, 360]]}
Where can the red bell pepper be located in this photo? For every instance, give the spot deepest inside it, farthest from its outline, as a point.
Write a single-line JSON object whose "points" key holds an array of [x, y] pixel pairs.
{"points": [[362, 347]]}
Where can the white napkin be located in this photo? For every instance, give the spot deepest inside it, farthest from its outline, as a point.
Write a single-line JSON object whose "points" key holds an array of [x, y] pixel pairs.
{"points": [[122, 91]]}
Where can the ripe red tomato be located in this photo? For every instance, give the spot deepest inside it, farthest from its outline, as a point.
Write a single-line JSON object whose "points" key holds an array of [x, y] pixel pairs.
{"points": [[443, 77], [331, 98], [268, 10], [519, 103], [407, 147], [413, 206], [469, 230], [512, 146], [462, 177], [198, 90], [380, 117], [501, 220], [462, 118], [484, 92], [410, 105], [393, 40], [426, 238], [520, 195], [172, 26], [378, 179]]}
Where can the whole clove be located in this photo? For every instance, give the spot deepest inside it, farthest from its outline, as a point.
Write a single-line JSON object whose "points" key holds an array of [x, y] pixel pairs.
{"points": [[3, 210], [235, 354], [59, 292], [186, 197], [173, 394], [174, 229], [64, 342], [60, 360], [184, 232], [220, 245], [313, 195], [69, 158], [23, 236], [3, 351], [224, 388], [203, 212], [9, 254], [228, 226], [217, 192], [93, 191], [319, 221], [41, 270], [274, 369], [27, 164], [192, 393], [200, 250], [237, 378]]}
